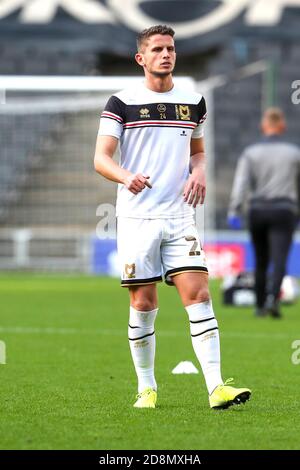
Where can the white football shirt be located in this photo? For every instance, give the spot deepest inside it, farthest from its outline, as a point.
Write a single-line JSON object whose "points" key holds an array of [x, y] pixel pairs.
{"points": [[155, 132]]}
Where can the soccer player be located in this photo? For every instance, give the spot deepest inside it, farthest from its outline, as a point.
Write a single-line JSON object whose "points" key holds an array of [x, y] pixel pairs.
{"points": [[161, 179]]}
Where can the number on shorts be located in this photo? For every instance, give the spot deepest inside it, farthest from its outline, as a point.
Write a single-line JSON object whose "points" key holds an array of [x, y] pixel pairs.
{"points": [[193, 251]]}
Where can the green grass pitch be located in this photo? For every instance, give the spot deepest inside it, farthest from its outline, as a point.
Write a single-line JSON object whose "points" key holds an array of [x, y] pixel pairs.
{"points": [[69, 382]]}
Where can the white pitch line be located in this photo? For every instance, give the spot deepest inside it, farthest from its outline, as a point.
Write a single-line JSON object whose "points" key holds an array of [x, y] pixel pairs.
{"points": [[78, 331]]}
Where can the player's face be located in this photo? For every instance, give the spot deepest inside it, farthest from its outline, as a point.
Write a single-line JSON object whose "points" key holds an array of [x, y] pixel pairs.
{"points": [[269, 128], [158, 55]]}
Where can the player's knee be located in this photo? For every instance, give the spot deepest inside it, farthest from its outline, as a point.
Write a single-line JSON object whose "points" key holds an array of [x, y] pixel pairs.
{"points": [[143, 305], [199, 295]]}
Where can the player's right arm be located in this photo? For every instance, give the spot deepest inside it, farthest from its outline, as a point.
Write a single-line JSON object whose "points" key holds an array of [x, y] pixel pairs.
{"points": [[105, 165], [110, 131]]}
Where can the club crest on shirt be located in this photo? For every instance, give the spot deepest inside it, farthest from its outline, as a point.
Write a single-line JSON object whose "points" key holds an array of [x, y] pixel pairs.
{"points": [[183, 112], [161, 108], [144, 113], [130, 271]]}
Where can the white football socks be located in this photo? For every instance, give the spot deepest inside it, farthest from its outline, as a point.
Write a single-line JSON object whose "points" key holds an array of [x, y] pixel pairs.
{"points": [[206, 343], [142, 345]]}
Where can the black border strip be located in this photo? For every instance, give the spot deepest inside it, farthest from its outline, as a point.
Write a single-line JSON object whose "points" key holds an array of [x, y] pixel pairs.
{"points": [[96, 458], [171, 272], [141, 337], [210, 329], [132, 282], [201, 321]]}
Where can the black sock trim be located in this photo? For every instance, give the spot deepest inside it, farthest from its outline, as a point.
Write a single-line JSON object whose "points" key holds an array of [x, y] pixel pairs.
{"points": [[141, 337], [201, 321], [199, 334], [133, 326]]}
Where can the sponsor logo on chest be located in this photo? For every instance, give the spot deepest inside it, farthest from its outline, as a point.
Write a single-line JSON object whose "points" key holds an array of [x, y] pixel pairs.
{"points": [[163, 111], [144, 113], [161, 108]]}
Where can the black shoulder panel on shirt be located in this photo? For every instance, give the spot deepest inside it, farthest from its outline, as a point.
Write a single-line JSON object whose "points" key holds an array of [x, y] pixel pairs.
{"points": [[201, 109], [116, 106]]}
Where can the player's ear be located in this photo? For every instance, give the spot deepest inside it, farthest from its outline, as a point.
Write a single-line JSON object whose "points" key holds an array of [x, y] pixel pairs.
{"points": [[139, 58]]}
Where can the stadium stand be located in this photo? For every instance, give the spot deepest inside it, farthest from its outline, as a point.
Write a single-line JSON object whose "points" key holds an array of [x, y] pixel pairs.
{"points": [[19, 155], [47, 181], [16, 59]]}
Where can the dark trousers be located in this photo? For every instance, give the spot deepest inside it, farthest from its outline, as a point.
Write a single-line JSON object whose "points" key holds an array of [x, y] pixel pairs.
{"points": [[272, 233]]}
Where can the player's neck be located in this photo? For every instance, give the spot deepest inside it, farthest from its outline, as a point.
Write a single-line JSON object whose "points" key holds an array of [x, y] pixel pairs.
{"points": [[159, 84]]}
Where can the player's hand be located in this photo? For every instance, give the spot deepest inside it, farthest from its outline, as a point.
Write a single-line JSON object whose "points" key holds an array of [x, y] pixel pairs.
{"points": [[136, 183], [195, 188]]}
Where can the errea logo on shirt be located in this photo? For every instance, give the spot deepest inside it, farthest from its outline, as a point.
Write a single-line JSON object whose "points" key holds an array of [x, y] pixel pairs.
{"points": [[144, 113]]}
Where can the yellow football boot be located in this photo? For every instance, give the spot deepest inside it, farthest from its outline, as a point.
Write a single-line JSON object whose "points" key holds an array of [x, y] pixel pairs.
{"points": [[146, 399], [224, 396]]}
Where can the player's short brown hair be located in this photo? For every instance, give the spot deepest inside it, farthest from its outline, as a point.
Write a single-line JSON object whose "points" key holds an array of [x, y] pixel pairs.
{"points": [[157, 29], [273, 115]]}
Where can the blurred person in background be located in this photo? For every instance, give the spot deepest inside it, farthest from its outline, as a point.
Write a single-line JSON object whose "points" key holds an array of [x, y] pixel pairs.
{"points": [[268, 175]]}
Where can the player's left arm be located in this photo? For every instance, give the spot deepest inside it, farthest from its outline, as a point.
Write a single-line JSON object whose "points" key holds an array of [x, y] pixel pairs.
{"points": [[195, 187]]}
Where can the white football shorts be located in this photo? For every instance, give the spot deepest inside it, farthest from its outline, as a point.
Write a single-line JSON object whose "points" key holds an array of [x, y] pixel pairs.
{"points": [[149, 249]]}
